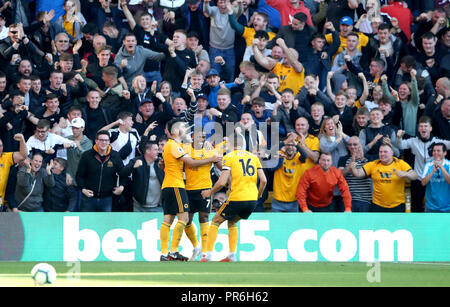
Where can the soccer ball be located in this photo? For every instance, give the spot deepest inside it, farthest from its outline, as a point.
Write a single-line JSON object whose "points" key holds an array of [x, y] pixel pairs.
{"points": [[43, 273]]}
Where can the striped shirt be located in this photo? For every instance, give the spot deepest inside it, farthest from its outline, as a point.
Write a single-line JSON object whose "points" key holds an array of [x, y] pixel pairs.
{"points": [[360, 188]]}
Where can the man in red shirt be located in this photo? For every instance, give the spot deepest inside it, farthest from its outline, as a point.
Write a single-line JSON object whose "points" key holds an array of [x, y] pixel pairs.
{"points": [[316, 187], [288, 8], [403, 15]]}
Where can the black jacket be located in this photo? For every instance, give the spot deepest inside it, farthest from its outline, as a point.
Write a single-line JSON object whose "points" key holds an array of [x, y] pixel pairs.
{"points": [[96, 119], [229, 115], [99, 173], [346, 118], [370, 51], [60, 197], [17, 120], [140, 178], [26, 51]]}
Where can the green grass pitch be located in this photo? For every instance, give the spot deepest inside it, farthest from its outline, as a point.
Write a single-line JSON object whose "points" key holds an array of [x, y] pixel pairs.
{"points": [[238, 274]]}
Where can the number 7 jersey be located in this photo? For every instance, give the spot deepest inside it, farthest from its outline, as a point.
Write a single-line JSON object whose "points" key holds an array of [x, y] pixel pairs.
{"points": [[243, 167]]}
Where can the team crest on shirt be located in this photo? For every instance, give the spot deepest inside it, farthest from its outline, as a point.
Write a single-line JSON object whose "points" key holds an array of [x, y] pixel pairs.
{"points": [[180, 150], [2, 165], [186, 206], [109, 164]]}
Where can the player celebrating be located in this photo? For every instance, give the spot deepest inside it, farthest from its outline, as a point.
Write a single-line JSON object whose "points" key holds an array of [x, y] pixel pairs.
{"points": [[244, 169], [198, 179], [174, 196]]}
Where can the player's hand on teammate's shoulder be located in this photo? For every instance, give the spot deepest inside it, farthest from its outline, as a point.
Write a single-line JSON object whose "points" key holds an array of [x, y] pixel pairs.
{"points": [[216, 159]]}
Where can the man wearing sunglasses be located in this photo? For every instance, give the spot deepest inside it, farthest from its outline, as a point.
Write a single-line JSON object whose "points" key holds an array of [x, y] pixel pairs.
{"points": [[16, 43]]}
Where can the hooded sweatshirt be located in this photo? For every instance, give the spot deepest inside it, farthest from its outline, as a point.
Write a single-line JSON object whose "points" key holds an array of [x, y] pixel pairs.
{"points": [[136, 61]]}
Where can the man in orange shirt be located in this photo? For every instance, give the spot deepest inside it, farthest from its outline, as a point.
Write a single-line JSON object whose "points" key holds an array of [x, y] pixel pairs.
{"points": [[316, 187]]}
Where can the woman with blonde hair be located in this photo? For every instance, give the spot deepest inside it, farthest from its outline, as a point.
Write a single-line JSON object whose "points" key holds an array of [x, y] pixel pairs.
{"points": [[368, 22], [139, 92], [72, 21], [332, 139]]}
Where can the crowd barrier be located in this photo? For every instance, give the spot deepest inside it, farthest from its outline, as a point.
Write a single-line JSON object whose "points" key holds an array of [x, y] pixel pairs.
{"points": [[342, 237]]}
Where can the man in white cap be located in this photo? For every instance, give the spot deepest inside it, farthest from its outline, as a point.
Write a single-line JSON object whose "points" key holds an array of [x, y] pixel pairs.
{"points": [[82, 142], [66, 123]]}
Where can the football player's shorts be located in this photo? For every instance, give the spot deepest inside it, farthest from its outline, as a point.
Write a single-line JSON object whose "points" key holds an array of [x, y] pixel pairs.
{"points": [[174, 201]]}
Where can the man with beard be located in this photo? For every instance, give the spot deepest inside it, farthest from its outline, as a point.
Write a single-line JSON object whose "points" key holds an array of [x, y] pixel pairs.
{"points": [[316, 188], [97, 175], [287, 176], [419, 146], [26, 68]]}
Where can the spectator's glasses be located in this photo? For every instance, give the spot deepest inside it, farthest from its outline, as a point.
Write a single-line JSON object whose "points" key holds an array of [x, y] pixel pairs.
{"points": [[13, 32], [353, 144], [103, 140], [63, 41], [41, 131]]}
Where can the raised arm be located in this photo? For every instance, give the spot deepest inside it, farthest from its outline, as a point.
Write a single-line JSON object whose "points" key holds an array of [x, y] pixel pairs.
{"points": [[291, 55], [264, 61], [20, 155], [365, 93], [128, 14], [357, 172], [235, 25]]}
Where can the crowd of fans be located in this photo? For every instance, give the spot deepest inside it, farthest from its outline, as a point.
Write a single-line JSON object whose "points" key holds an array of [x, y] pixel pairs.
{"points": [[355, 95]]}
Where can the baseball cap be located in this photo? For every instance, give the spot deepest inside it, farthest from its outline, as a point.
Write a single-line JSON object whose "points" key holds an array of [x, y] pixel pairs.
{"points": [[192, 1], [146, 100], [346, 21], [301, 17], [212, 72], [203, 96], [258, 101], [78, 122]]}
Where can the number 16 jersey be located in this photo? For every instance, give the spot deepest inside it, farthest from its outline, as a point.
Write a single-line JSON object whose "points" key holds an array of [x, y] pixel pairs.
{"points": [[243, 167]]}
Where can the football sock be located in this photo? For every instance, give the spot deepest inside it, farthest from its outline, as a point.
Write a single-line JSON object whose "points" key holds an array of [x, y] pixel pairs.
{"points": [[176, 235], [191, 234], [164, 238], [204, 234], [212, 236], [233, 234]]}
